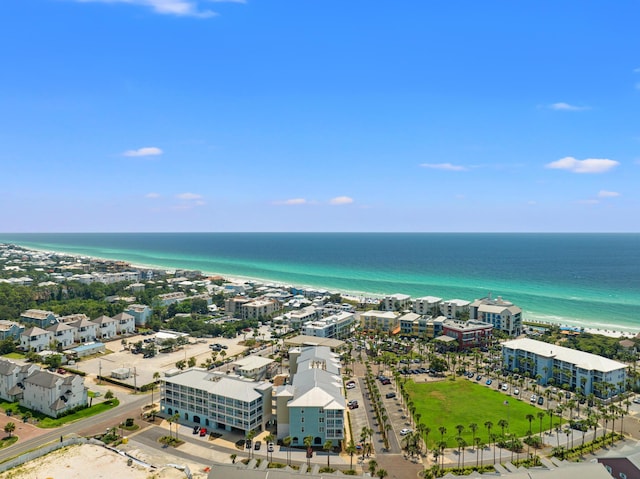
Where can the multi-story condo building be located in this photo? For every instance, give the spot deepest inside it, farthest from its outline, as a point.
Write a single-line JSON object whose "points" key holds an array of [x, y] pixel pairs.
{"points": [[384, 321], [261, 308], [303, 315], [336, 326], [396, 302], [427, 305], [170, 298], [469, 334], [216, 400], [502, 314], [414, 324], [84, 331], [313, 405], [454, 308], [105, 327], [584, 372]]}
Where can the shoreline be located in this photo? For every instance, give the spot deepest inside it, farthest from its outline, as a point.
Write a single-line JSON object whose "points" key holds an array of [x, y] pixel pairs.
{"points": [[612, 331]]}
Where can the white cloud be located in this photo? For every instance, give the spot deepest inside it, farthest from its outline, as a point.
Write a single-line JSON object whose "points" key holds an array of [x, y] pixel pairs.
{"points": [[146, 151], [292, 201], [562, 106], [607, 194], [189, 196], [443, 166], [152, 195], [182, 8], [341, 200], [590, 165]]}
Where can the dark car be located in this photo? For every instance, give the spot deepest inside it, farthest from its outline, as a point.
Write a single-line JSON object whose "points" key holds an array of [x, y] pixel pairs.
{"points": [[540, 400], [247, 444], [390, 395], [196, 429], [257, 445]]}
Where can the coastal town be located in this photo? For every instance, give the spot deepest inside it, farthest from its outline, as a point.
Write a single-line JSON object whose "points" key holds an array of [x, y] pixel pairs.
{"points": [[189, 374]]}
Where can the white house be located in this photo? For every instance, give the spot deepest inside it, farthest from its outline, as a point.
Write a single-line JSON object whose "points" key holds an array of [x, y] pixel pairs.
{"points": [[85, 331], [12, 374], [126, 324], [105, 327], [427, 305], [502, 314], [53, 394], [253, 367], [62, 333], [35, 339], [396, 302]]}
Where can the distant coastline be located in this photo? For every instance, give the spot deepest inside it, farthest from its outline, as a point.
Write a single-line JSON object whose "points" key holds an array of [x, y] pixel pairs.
{"points": [[577, 280]]}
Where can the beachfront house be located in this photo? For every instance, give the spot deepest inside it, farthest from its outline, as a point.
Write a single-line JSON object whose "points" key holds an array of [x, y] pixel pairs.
{"points": [[396, 302], [12, 376], [455, 308], [35, 339], [579, 371]]}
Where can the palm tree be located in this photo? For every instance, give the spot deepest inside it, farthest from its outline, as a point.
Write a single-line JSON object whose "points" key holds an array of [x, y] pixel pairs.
{"points": [[307, 444], [351, 450], [286, 442], [503, 424], [176, 419], [460, 428], [9, 428], [442, 445], [327, 446], [425, 433], [493, 438], [443, 431], [372, 467], [540, 415], [488, 425], [530, 418], [474, 428], [250, 435], [381, 473], [269, 438], [156, 376], [476, 442]]}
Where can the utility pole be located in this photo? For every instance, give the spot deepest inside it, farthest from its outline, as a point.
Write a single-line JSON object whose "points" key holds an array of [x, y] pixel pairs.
{"points": [[100, 372], [135, 381]]}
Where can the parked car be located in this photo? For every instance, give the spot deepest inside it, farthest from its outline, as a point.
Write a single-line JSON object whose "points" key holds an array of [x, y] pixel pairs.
{"points": [[533, 398], [270, 447], [405, 431], [488, 382], [505, 387], [247, 444], [540, 400], [516, 391], [350, 385], [257, 445], [203, 432], [390, 395], [478, 378], [196, 429]]}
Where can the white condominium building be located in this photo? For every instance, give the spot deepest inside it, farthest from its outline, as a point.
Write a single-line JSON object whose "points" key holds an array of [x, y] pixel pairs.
{"points": [[584, 372]]}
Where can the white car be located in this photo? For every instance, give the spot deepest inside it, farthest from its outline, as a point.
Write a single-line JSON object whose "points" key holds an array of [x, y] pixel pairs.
{"points": [[350, 385], [534, 398], [636, 400], [405, 431], [505, 386], [270, 447], [516, 391]]}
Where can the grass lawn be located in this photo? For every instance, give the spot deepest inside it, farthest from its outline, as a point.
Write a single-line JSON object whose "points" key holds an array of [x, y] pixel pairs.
{"points": [[48, 422], [463, 402], [14, 355]]}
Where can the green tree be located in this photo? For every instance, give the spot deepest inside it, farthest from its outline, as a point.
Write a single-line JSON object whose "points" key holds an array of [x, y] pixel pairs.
{"points": [[9, 428], [327, 446], [308, 440], [286, 442]]}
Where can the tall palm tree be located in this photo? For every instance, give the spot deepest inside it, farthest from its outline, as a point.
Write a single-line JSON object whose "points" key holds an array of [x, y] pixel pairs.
{"points": [[443, 431], [474, 428], [250, 435], [156, 376], [269, 438], [540, 415], [488, 425], [530, 418], [460, 428], [351, 450], [327, 446], [373, 464], [308, 440], [286, 442], [381, 473]]}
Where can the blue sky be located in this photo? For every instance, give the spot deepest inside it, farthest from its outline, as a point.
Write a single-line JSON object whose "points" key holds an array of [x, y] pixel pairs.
{"points": [[292, 115]]}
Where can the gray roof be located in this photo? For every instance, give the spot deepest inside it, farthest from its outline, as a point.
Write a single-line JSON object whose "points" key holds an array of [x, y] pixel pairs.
{"points": [[34, 332], [82, 323], [222, 385], [104, 319], [121, 316], [7, 367], [44, 379], [59, 327]]}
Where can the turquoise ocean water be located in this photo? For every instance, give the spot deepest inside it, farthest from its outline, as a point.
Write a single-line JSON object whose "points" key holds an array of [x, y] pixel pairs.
{"points": [[591, 280]]}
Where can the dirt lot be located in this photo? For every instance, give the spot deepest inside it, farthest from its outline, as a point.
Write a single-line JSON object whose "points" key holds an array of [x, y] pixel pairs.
{"points": [[80, 462]]}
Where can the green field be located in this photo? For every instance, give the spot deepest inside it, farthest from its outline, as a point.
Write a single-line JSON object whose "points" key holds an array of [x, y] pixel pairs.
{"points": [[463, 402]]}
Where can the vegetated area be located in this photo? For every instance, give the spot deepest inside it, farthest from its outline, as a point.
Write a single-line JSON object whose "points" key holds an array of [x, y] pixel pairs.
{"points": [[462, 403]]}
